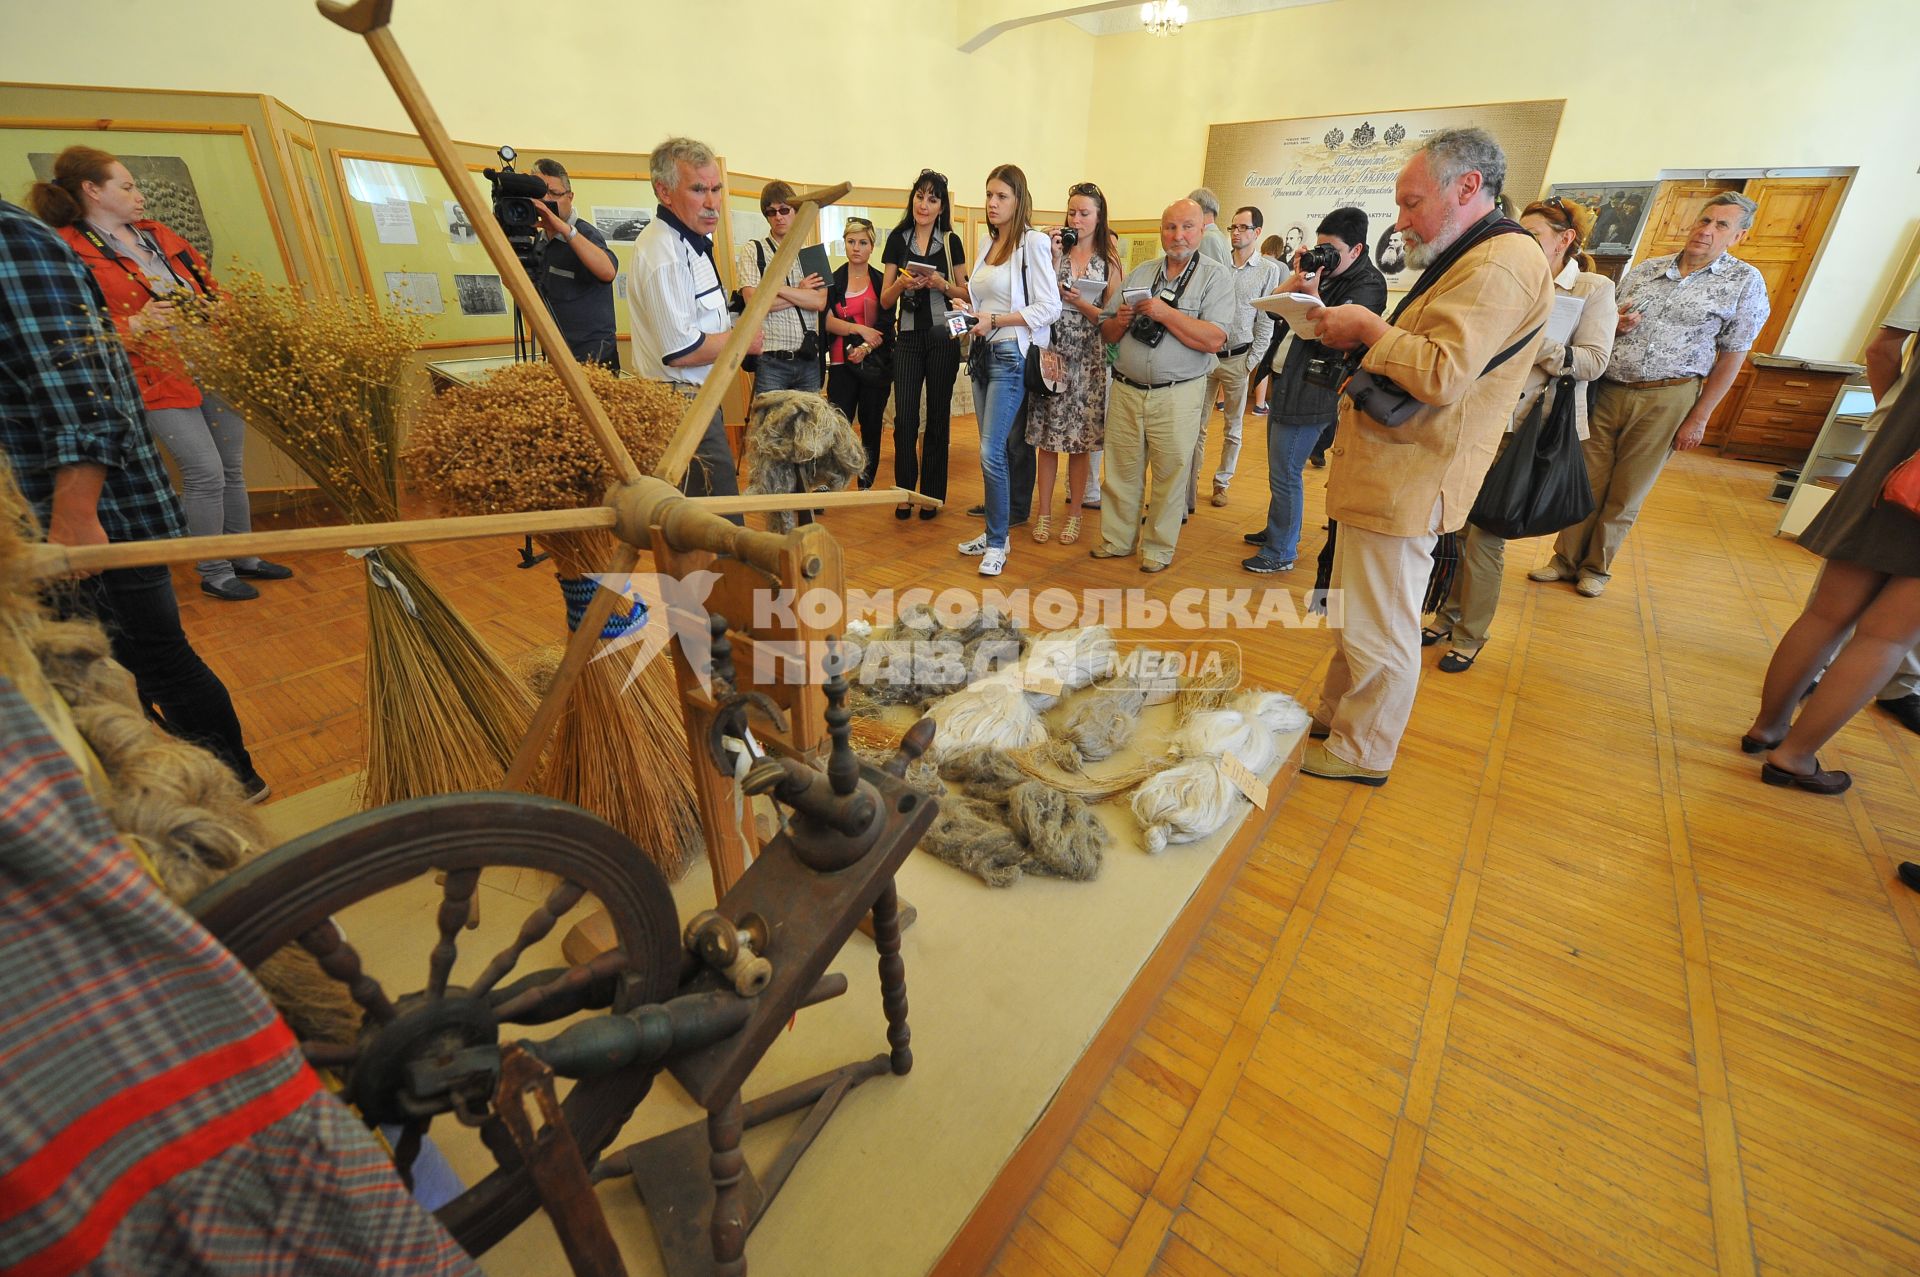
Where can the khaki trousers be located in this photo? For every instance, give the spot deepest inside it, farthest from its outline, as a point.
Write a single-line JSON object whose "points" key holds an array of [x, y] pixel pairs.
{"points": [[1629, 440], [1368, 695], [1148, 430], [1468, 611], [1229, 380]]}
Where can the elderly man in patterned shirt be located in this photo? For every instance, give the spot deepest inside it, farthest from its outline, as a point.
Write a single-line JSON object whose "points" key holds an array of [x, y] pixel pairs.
{"points": [[1686, 323]]}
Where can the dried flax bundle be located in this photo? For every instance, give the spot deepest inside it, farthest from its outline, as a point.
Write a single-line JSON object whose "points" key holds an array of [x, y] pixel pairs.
{"points": [[515, 442], [326, 381]]}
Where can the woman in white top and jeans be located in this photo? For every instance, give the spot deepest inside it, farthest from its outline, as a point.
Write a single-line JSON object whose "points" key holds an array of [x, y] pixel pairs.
{"points": [[1015, 299]]}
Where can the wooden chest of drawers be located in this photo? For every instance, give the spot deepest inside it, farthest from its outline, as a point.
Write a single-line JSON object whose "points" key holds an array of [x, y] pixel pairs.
{"points": [[1780, 411]]}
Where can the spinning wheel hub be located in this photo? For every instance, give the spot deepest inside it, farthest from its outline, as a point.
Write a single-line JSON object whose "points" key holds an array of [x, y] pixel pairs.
{"points": [[436, 1055]]}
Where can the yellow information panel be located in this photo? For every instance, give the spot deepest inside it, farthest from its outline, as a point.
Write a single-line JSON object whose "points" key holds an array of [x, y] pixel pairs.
{"points": [[205, 184], [418, 250]]}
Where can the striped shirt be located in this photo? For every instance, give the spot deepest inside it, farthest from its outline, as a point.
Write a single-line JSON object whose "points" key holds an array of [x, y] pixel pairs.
{"points": [[67, 393], [675, 299]]}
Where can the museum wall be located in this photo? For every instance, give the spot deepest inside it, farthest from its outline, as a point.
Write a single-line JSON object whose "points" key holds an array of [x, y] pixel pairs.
{"points": [[1665, 84], [1673, 84]]}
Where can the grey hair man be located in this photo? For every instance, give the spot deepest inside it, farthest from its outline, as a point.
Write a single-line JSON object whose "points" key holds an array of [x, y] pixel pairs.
{"points": [[574, 271], [1686, 324], [1213, 240], [676, 301], [1459, 347]]}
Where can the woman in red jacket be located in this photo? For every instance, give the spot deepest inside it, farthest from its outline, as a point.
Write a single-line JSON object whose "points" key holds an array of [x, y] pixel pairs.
{"points": [[141, 266]]}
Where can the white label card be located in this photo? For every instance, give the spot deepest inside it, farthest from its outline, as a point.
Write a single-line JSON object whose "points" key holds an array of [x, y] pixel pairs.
{"points": [[1244, 781]]}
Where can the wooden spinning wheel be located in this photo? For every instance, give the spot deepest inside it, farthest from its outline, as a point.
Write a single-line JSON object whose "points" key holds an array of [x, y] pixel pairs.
{"points": [[405, 1069]]}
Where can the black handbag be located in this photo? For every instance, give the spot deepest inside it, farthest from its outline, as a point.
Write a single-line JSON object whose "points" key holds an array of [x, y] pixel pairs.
{"points": [[1045, 373], [1539, 484]]}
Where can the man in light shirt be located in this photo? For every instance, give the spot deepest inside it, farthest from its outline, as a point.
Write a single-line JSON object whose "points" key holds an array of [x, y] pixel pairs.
{"points": [[675, 299], [1254, 276]]}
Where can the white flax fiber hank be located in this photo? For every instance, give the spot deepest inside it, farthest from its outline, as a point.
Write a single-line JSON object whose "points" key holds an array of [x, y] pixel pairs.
{"points": [[1193, 798]]}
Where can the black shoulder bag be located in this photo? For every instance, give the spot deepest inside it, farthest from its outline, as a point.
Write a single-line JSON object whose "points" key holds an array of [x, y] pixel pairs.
{"points": [[1385, 402], [1539, 485], [1045, 373]]}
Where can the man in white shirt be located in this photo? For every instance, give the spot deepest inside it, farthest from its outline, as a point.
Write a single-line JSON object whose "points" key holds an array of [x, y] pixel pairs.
{"points": [[1254, 276], [676, 302]]}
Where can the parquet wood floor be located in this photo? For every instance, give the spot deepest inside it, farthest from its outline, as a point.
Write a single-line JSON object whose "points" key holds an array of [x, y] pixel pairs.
{"points": [[1573, 993]]}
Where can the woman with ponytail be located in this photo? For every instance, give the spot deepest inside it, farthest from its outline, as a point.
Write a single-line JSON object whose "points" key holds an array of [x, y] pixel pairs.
{"points": [[1561, 227], [142, 268]]}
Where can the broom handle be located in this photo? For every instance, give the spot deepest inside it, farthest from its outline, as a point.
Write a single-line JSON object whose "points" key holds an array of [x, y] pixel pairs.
{"points": [[49, 561], [369, 18], [526, 759], [679, 451]]}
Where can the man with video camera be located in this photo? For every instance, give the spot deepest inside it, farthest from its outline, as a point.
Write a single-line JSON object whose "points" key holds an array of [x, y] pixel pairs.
{"points": [[1170, 316], [1422, 417], [574, 272], [1305, 397]]}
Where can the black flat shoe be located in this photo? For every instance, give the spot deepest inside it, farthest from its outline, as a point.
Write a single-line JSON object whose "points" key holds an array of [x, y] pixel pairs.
{"points": [[904, 512], [1814, 782], [1754, 745], [1255, 538], [234, 591], [1457, 662], [928, 512], [1431, 634], [1910, 874], [264, 571]]}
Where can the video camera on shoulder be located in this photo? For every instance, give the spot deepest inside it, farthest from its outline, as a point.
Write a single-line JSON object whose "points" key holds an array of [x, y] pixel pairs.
{"points": [[514, 195]]}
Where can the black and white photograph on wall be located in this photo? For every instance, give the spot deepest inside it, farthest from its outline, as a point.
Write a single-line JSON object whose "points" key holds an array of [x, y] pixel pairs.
{"points": [[480, 294], [166, 184], [1619, 211], [459, 229], [620, 225], [1390, 254]]}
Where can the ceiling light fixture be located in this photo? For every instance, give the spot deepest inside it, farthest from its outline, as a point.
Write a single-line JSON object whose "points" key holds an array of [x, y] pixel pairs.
{"points": [[1163, 17]]}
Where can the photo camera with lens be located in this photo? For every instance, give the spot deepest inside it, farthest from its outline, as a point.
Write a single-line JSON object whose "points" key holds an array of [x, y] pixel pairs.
{"points": [[514, 195], [1320, 259]]}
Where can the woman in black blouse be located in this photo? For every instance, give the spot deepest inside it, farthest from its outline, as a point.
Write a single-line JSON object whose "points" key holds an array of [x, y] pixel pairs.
{"points": [[925, 269]]}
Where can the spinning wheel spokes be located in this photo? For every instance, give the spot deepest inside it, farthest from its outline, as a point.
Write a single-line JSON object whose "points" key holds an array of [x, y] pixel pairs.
{"points": [[437, 1050]]}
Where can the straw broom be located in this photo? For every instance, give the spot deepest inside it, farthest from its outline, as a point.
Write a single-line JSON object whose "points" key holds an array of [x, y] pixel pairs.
{"points": [[515, 442], [326, 381]]}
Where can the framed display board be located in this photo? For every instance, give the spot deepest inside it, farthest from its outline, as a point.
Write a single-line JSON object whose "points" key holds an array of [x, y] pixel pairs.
{"points": [[321, 214], [202, 180], [416, 248]]}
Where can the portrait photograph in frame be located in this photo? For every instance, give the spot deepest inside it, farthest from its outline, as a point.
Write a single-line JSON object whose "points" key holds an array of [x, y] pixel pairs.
{"points": [[1619, 212]]}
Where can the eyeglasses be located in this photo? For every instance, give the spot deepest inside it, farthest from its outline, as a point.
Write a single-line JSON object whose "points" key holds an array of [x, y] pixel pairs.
{"points": [[778, 210], [1240, 226], [930, 175], [1087, 189]]}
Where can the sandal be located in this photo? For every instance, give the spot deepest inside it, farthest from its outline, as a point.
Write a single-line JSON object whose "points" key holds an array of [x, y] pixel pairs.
{"points": [[1431, 634], [1043, 528], [1070, 530], [1457, 662], [1816, 781]]}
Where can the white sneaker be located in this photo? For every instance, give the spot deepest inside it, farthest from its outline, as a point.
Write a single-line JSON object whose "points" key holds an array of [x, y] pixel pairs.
{"points": [[976, 547], [993, 562]]}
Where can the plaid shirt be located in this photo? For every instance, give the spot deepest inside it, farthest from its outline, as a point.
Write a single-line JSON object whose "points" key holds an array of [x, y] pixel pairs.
{"points": [[67, 393], [155, 1113]]}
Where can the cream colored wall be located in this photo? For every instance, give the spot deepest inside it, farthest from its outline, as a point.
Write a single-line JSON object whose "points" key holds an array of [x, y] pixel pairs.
{"points": [[1683, 84], [622, 76], [1668, 84]]}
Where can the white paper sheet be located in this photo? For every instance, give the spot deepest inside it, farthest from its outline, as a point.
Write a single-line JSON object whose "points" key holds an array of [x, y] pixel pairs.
{"points": [[393, 221], [1566, 313], [1302, 312], [416, 291]]}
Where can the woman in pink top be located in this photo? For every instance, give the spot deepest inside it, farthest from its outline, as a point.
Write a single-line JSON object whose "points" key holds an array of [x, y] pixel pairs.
{"points": [[860, 346]]}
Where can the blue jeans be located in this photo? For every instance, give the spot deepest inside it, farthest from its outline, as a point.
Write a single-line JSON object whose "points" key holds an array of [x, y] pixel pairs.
{"points": [[999, 384], [775, 373], [1287, 451]]}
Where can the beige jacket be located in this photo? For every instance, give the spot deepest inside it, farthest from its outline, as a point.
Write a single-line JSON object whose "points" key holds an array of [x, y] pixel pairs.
{"points": [[1591, 344], [1388, 480]]}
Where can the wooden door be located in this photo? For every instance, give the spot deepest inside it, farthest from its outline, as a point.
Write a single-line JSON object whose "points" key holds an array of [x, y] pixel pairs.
{"points": [[1676, 206], [1788, 228]]}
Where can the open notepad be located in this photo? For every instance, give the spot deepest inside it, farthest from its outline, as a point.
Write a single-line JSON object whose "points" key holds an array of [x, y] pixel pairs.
{"points": [[1301, 311]]}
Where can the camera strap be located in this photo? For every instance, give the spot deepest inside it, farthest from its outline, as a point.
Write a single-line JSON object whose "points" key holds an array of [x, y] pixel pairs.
{"points": [[1486, 228], [139, 276]]}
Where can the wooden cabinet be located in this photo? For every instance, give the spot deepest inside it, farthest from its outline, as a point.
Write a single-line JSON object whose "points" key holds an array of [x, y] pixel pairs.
{"points": [[1781, 407]]}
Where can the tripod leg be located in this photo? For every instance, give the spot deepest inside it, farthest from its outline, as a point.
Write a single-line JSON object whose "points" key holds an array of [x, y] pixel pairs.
{"points": [[727, 1166], [893, 977]]}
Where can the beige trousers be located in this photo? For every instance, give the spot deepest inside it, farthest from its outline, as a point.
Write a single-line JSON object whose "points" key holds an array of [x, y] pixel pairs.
{"points": [[1468, 611], [1629, 440], [1148, 431], [1229, 380], [1368, 695]]}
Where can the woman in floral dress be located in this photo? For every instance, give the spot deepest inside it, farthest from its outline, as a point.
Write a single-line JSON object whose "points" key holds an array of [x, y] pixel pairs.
{"points": [[1073, 422]]}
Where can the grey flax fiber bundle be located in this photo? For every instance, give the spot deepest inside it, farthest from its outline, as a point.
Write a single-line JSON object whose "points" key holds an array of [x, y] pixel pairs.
{"points": [[797, 442]]}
